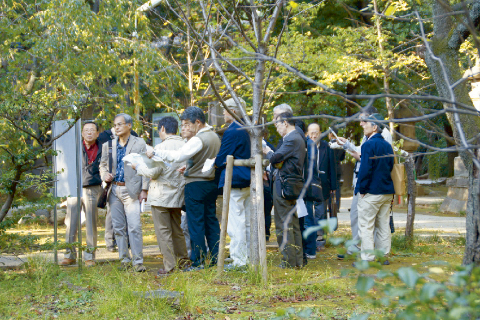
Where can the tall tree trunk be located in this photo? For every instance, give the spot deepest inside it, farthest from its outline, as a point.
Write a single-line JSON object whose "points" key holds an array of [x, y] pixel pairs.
{"points": [[411, 195], [445, 72], [256, 148], [189, 59], [386, 84]]}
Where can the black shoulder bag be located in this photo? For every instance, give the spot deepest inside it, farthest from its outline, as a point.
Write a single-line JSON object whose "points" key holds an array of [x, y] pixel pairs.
{"points": [[102, 200]]}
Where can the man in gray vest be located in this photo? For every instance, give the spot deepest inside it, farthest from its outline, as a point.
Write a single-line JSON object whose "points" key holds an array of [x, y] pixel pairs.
{"points": [[200, 188]]}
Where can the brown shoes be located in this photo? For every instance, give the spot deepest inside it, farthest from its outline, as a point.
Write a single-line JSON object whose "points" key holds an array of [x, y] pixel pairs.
{"points": [[67, 262], [89, 263]]}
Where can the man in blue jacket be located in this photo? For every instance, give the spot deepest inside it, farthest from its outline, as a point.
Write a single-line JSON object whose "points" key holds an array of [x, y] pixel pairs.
{"points": [[375, 189], [236, 142]]}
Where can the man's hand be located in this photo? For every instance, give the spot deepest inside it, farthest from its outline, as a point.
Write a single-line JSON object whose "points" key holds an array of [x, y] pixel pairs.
{"points": [[341, 140], [354, 154], [266, 150], [133, 165], [362, 195], [182, 169], [143, 196], [109, 177], [265, 176], [150, 153]]}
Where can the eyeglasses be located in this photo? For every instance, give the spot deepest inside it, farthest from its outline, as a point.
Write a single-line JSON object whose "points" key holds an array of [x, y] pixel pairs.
{"points": [[120, 124], [186, 125], [279, 122]]}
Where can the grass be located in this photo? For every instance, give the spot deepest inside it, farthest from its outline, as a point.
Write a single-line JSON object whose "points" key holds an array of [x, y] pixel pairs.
{"points": [[42, 290]]}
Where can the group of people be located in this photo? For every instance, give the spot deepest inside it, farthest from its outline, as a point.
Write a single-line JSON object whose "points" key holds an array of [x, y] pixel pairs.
{"points": [[191, 174]]}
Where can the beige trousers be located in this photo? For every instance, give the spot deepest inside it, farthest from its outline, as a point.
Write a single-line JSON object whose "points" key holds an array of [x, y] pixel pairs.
{"points": [[170, 236], [373, 218], [89, 204]]}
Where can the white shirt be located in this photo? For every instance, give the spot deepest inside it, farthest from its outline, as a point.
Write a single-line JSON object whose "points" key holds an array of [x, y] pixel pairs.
{"points": [[191, 148]]}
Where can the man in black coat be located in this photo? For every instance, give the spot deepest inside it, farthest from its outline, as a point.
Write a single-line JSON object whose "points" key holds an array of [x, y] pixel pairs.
{"points": [[288, 161], [327, 173]]}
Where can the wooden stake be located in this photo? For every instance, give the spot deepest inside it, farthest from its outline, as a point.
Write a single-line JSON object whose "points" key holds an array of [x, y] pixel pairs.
{"points": [[226, 202]]}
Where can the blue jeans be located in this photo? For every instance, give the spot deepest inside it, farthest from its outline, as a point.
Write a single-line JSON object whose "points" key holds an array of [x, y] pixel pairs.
{"points": [[316, 212], [200, 197]]}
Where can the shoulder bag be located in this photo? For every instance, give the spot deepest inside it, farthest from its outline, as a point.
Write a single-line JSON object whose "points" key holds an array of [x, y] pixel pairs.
{"points": [[289, 187], [398, 177], [102, 200]]}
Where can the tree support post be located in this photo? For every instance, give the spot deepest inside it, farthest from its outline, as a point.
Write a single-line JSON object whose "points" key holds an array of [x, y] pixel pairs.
{"points": [[227, 188], [258, 163], [79, 190], [55, 219]]}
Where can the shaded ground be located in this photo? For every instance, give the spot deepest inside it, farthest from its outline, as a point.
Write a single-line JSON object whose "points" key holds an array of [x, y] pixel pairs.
{"points": [[42, 290]]}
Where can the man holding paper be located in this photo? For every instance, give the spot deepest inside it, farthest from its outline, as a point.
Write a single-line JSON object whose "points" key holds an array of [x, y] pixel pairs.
{"points": [[200, 188], [288, 181]]}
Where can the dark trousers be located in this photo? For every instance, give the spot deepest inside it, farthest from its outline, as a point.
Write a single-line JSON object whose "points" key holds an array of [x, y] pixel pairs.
{"points": [[316, 211], [301, 222], [337, 198], [267, 209], [200, 197], [292, 253]]}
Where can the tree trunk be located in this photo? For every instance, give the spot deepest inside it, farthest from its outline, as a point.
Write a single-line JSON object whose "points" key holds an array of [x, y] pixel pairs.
{"points": [[256, 148], [444, 77], [411, 195], [472, 245], [11, 194], [386, 84]]}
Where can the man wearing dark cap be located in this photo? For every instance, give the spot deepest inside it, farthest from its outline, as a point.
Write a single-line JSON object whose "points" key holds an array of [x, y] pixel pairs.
{"points": [[375, 190]]}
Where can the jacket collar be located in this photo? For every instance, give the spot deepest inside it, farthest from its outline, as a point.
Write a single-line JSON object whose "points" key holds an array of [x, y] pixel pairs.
{"points": [[377, 135], [173, 137]]}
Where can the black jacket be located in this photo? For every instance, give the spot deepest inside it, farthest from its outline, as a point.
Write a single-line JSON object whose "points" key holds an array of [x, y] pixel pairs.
{"points": [[326, 163], [292, 153], [339, 157], [91, 172]]}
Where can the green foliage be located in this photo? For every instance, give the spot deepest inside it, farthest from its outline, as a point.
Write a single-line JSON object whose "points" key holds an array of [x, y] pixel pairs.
{"points": [[421, 296], [60, 59]]}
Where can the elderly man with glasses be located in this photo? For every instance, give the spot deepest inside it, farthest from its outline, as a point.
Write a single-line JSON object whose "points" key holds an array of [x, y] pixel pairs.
{"points": [[91, 182], [288, 181], [127, 192]]}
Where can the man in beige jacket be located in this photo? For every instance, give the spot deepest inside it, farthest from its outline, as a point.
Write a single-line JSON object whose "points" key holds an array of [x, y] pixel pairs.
{"points": [[166, 197]]}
